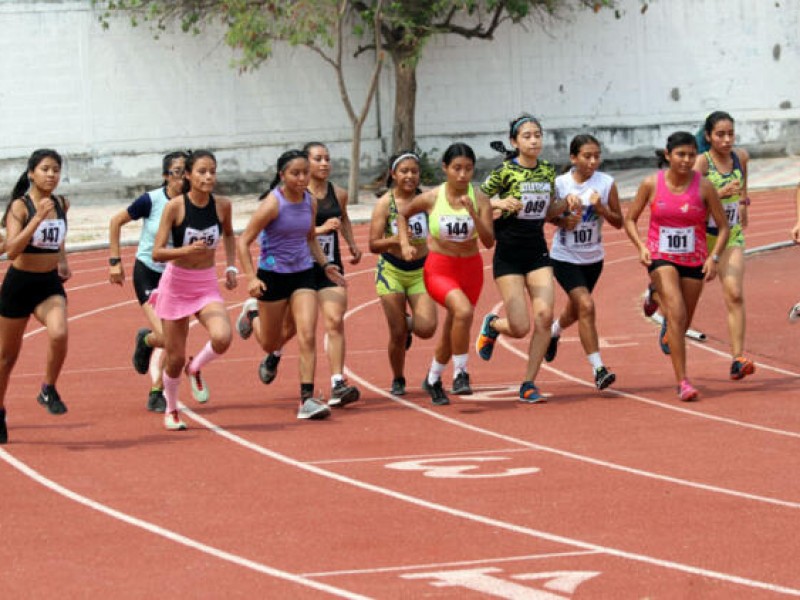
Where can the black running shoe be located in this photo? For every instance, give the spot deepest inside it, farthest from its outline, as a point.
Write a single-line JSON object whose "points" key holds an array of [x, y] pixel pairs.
{"points": [[552, 348], [268, 368], [3, 427], [142, 352], [461, 385], [156, 401], [399, 386], [438, 397], [343, 394], [50, 399], [603, 378]]}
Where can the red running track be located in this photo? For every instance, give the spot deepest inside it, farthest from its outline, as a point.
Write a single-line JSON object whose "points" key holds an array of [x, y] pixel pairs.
{"points": [[622, 494]]}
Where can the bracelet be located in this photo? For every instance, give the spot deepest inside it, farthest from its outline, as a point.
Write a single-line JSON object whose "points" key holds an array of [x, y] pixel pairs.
{"points": [[232, 269], [330, 263], [745, 201]]}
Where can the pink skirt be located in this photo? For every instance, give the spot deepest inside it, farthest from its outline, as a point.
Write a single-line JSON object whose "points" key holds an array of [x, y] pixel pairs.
{"points": [[184, 292]]}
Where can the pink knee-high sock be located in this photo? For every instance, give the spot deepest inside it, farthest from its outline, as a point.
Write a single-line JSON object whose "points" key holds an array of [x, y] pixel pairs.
{"points": [[171, 391], [205, 356]]}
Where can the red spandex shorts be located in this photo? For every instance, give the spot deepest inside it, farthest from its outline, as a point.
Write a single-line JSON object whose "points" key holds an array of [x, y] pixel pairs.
{"points": [[444, 274]]}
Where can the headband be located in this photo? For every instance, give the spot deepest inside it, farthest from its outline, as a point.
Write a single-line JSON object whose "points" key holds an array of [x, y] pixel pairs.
{"points": [[402, 157], [521, 121]]}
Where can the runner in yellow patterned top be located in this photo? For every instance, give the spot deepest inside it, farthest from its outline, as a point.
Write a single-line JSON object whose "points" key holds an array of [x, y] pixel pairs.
{"points": [[726, 169]]}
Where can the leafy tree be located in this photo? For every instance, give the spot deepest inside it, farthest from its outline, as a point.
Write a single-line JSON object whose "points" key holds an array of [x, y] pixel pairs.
{"points": [[407, 25], [252, 26]]}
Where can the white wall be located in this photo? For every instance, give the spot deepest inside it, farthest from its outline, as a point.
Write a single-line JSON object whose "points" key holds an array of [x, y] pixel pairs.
{"points": [[113, 101]]}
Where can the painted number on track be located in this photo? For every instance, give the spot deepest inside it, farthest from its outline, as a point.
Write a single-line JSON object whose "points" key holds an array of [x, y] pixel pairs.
{"points": [[460, 467]]}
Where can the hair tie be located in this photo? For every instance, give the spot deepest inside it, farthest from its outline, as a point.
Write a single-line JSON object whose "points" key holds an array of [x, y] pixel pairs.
{"points": [[402, 157]]}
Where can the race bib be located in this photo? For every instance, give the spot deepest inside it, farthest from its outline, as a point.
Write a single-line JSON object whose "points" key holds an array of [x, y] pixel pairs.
{"points": [[584, 235], [731, 214], [209, 236], [417, 227], [535, 200], [49, 234], [676, 240], [455, 228], [325, 242]]}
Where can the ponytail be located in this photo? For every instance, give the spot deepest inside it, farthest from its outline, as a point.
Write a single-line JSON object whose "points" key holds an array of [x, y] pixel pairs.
{"points": [[24, 183], [283, 161]]}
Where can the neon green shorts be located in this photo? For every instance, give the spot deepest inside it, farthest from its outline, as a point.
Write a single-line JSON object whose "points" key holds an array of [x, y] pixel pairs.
{"points": [[390, 279], [736, 238]]}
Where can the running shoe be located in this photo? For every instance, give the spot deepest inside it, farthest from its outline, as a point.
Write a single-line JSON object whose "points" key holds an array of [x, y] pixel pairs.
{"points": [[343, 394], [199, 388], [438, 396], [244, 322], [409, 332], [50, 399], [156, 402], [311, 408], [399, 386], [268, 368], [173, 422], [552, 348], [742, 366], [484, 345], [142, 352], [461, 385], [603, 378], [3, 427], [663, 340], [686, 391], [794, 313], [649, 304], [528, 392]]}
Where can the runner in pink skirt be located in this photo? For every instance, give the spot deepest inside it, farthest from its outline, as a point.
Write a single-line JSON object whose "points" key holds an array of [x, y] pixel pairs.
{"points": [[195, 221]]}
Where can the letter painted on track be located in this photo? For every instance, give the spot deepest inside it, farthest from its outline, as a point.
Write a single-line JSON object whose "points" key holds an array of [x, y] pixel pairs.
{"points": [[457, 467]]}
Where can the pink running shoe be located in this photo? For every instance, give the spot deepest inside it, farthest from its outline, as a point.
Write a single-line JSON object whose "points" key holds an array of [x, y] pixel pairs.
{"points": [[686, 391]]}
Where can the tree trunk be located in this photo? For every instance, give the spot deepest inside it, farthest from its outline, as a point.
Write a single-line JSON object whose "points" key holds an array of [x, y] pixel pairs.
{"points": [[405, 102], [355, 164]]}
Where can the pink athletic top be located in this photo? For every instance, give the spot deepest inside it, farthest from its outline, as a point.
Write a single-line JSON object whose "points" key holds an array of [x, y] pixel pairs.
{"points": [[677, 230]]}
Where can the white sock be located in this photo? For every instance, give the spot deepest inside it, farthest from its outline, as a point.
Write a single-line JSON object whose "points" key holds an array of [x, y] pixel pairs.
{"points": [[555, 329], [595, 360], [155, 365], [459, 364], [278, 352], [336, 379], [435, 372]]}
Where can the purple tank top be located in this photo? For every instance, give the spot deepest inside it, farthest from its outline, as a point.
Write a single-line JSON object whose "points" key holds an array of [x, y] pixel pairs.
{"points": [[284, 242]]}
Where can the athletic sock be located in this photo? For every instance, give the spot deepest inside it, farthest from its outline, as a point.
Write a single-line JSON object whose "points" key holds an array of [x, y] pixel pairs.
{"points": [[171, 392], [555, 329], [336, 379], [205, 356], [460, 363], [155, 365], [595, 360], [435, 372], [277, 352], [306, 389]]}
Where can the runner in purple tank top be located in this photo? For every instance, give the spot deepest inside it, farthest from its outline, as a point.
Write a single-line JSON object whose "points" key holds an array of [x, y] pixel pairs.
{"points": [[284, 225]]}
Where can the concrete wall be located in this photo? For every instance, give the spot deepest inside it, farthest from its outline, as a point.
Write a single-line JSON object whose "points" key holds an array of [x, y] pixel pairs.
{"points": [[113, 101]]}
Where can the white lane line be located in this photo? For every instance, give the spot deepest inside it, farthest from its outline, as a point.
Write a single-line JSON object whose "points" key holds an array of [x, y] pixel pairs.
{"points": [[171, 535], [491, 522], [450, 565]]}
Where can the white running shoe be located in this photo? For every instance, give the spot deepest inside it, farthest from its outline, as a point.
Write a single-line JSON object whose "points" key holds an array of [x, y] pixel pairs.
{"points": [[244, 324], [199, 387], [311, 408], [794, 314], [173, 422]]}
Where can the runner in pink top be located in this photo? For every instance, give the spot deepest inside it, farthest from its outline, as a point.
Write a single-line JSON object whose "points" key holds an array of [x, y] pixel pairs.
{"points": [[677, 231], [675, 254]]}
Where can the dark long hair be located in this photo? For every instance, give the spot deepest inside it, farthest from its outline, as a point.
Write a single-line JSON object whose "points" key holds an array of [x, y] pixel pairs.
{"points": [[394, 162], [192, 156], [458, 149], [711, 121], [513, 131], [283, 161], [24, 183], [679, 138]]}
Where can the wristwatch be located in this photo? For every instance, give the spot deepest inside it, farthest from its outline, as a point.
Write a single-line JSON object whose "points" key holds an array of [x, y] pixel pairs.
{"points": [[114, 261], [715, 258]]}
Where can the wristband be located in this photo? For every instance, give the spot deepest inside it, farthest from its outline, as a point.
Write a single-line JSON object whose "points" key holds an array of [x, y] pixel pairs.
{"points": [[329, 264], [715, 258], [232, 269], [745, 201]]}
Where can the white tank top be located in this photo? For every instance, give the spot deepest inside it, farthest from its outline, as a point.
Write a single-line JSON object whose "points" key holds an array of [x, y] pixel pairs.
{"points": [[584, 244]]}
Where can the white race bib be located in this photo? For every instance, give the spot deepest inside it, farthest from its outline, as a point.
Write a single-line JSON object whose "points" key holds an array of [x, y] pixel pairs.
{"points": [[417, 227], [209, 236], [49, 234], [535, 198], [455, 228], [676, 240], [584, 235], [325, 242], [731, 214]]}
